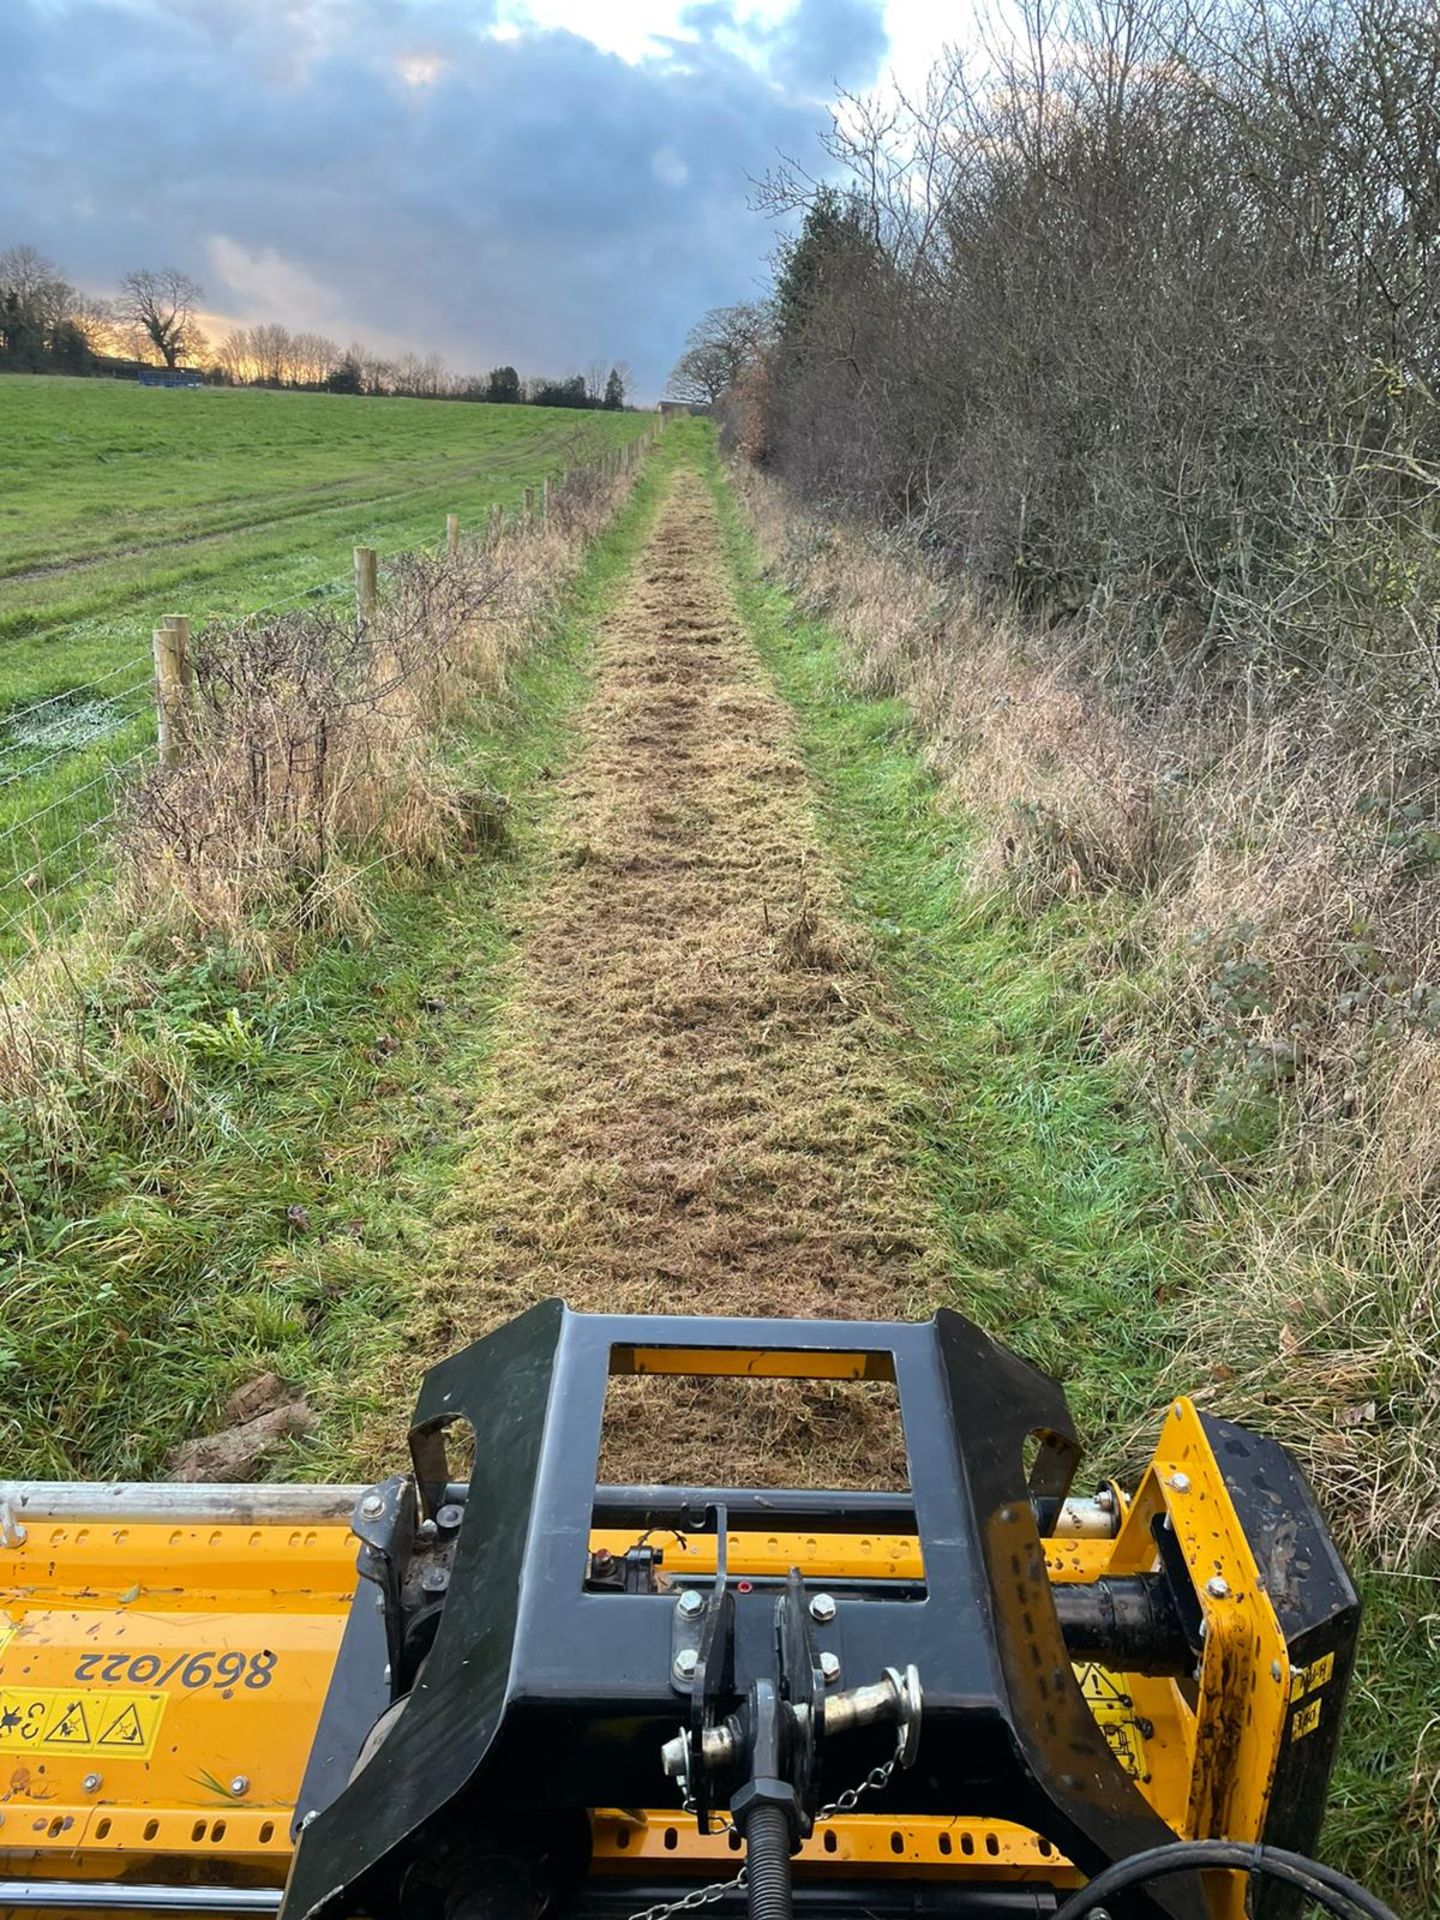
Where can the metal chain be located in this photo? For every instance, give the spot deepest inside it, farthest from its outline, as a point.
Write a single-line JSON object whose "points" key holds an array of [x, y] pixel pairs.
{"points": [[877, 1778], [697, 1897]]}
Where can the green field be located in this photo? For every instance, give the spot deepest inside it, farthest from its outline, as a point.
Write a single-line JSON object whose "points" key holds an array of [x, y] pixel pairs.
{"points": [[121, 504]]}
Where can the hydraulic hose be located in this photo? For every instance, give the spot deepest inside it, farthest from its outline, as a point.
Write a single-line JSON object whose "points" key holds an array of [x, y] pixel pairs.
{"points": [[767, 1864], [1335, 1892]]}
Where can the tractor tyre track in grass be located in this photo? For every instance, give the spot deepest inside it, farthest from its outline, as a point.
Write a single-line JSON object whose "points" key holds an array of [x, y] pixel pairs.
{"points": [[694, 1105]]}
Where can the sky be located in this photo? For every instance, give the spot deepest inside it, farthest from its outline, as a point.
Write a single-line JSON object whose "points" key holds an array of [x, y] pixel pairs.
{"points": [[543, 183]]}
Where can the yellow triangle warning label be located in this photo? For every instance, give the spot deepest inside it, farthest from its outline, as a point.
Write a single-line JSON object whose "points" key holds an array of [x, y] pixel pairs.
{"points": [[124, 1730], [55, 1720], [72, 1729], [1100, 1687]]}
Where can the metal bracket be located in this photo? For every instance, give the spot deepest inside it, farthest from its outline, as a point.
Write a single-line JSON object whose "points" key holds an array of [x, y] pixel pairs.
{"points": [[12, 1534]]}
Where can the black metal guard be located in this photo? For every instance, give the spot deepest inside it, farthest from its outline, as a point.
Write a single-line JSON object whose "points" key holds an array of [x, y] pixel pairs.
{"points": [[540, 1695]]}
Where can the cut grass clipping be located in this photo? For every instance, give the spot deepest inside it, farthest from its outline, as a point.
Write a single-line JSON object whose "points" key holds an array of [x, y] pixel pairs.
{"points": [[691, 1105]]}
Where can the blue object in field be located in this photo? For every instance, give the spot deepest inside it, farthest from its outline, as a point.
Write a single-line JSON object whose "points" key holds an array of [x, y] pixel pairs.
{"points": [[169, 377]]}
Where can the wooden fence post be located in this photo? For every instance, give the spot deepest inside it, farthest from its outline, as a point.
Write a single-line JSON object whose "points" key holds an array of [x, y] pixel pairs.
{"points": [[530, 506], [179, 624], [452, 534], [497, 522], [545, 498], [367, 583], [174, 678]]}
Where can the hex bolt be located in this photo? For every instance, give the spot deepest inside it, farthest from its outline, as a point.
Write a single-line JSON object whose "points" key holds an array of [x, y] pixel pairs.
{"points": [[91, 1783], [691, 1602], [449, 1516], [822, 1608], [372, 1506], [1180, 1482], [830, 1667], [686, 1662], [1105, 1500], [426, 1531], [239, 1785], [435, 1579], [1217, 1588], [1274, 1669]]}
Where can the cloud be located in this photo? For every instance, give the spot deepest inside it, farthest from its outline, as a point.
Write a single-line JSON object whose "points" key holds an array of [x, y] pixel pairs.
{"points": [[411, 170], [825, 43]]}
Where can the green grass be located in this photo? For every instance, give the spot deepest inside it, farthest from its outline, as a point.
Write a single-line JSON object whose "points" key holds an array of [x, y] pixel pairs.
{"points": [[1071, 1235], [122, 504], [151, 1253]]}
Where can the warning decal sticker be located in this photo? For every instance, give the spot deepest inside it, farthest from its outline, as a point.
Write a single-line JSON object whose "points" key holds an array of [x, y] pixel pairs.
{"points": [[56, 1720], [1310, 1679], [1114, 1712], [1305, 1719]]}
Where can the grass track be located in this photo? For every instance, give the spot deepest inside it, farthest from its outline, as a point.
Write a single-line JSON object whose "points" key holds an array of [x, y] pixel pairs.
{"points": [[689, 1107]]}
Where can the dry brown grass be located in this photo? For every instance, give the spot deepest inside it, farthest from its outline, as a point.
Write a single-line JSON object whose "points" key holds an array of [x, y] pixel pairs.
{"points": [[1279, 883], [311, 760], [315, 752], [693, 1105]]}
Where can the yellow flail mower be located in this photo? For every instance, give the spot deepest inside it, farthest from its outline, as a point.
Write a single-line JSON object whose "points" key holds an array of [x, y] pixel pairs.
{"points": [[508, 1691]]}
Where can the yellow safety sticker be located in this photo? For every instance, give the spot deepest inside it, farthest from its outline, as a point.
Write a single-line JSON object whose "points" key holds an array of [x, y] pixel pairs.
{"points": [[1306, 1719], [1114, 1712], [57, 1720], [1310, 1679]]}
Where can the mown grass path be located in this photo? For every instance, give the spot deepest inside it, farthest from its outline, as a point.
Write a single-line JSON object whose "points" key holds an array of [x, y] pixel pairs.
{"points": [[692, 1106]]}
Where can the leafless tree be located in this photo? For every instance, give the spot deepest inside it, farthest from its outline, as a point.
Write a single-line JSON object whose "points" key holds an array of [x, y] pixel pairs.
{"points": [[25, 273], [718, 348], [1133, 315], [163, 305]]}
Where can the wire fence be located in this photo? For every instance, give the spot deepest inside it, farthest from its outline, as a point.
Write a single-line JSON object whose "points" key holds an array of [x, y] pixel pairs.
{"points": [[66, 760]]}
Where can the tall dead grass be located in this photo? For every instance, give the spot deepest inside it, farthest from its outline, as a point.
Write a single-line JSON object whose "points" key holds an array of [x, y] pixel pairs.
{"points": [[1278, 885], [313, 754], [315, 748]]}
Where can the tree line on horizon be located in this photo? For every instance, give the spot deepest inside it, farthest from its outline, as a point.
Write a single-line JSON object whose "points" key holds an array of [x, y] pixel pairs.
{"points": [[49, 326]]}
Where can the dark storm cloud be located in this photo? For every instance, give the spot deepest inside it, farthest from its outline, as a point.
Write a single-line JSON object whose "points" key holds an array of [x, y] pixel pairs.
{"points": [[392, 167]]}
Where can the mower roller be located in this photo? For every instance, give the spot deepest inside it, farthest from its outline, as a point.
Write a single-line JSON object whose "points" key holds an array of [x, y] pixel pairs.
{"points": [[504, 1690]]}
